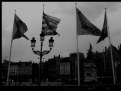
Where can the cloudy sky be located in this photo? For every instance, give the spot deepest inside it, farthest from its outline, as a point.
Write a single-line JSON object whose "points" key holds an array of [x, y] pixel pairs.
{"points": [[31, 14]]}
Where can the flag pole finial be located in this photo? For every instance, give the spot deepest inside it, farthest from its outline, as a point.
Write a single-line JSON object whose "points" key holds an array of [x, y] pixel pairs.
{"points": [[105, 9], [15, 11]]}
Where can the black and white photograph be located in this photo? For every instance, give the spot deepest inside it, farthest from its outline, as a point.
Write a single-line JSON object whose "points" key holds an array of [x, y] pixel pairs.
{"points": [[61, 44]]}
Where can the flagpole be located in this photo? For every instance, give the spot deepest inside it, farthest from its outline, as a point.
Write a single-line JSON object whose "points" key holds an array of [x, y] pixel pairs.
{"points": [[114, 78], [104, 62], [9, 63], [77, 51], [43, 8], [10, 56]]}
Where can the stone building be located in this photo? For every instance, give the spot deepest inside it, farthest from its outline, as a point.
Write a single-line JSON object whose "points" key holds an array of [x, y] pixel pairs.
{"points": [[18, 70], [25, 71], [52, 68]]}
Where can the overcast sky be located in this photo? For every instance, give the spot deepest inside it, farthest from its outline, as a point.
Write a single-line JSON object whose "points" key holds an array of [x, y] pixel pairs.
{"points": [[31, 14]]}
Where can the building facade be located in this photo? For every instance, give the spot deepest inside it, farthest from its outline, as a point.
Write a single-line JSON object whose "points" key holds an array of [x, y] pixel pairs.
{"points": [[52, 68], [90, 71], [25, 71], [65, 66], [18, 70]]}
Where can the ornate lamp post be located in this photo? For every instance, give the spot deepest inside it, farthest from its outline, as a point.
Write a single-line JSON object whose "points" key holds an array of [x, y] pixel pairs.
{"points": [[41, 53]]}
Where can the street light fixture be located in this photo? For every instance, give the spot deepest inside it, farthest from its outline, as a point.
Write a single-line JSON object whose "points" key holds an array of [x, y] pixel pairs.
{"points": [[33, 41], [51, 41], [41, 53]]}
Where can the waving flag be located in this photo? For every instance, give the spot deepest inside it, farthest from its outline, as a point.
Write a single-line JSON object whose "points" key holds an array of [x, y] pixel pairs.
{"points": [[19, 28], [84, 26], [104, 33], [49, 25]]}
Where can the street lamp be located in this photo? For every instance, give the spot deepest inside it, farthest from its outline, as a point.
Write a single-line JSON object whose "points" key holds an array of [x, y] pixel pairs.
{"points": [[51, 41], [33, 41], [41, 53]]}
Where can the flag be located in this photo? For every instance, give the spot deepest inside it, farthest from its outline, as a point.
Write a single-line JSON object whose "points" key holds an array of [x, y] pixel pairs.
{"points": [[104, 32], [84, 26], [49, 25], [19, 28]]}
